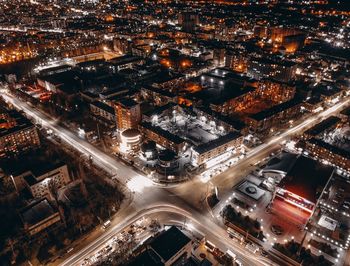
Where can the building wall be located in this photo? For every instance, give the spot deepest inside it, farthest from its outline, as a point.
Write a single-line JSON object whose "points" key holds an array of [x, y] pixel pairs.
{"points": [[202, 158], [162, 140], [171, 84], [258, 69], [34, 229], [157, 98], [328, 155], [186, 249], [19, 141], [59, 175], [236, 62], [127, 117], [276, 92], [273, 120], [102, 113], [273, 91]]}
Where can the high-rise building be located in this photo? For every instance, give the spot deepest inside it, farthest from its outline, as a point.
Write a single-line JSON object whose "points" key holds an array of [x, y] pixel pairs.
{"points": [[188, 21], [17, 134], [128, 114]]}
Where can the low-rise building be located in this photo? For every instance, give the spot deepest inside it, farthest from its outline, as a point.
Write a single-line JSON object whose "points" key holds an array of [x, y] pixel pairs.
{"points": [[17, 134], [207, 151], [283, 71], [327, 124], [272, 117], [170, 247], [303, 186], [162, 137], [345, 114], [158, 96], [177, 128], [39, 216], [103, 113], [318, 141], [40, 177], [329, 153]]}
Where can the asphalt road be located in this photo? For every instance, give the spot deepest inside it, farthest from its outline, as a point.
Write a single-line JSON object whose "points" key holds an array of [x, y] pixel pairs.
{"points": [[169, 214], [181, 197]]}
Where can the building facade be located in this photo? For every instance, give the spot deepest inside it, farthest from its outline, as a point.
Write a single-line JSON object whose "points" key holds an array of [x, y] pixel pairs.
{"points": [[17, 134], [128, 114], [41, 178]]}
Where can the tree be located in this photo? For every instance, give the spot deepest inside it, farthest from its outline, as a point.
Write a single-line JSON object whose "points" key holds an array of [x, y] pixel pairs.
{"points": [[53, 188]]}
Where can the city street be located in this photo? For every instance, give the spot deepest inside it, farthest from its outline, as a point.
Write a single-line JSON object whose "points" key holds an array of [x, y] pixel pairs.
{"points": [[150, 198], [168, 214]]}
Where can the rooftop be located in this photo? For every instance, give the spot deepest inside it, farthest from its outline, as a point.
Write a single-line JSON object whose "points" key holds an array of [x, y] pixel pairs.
{"points": [[216, 142], [281, 164], [104, 107], [307, 178], [35, 166], [169, 242], [159, 91], [275, 109], [37, 212], [126, 102], [235, 123], [126, 59], [273, 62], [159, 110], [219, 96], [166, 134], [146, 258], [346, 111], [322, 126], [21, 123], [333, 148]]}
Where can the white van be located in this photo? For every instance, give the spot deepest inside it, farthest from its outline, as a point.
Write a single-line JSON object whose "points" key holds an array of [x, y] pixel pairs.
{"points": [[106, 224]]}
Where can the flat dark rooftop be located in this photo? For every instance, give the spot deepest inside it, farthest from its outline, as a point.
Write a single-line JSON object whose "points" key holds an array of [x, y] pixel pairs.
{"points": [[274, 62], [346, 111], [314, 100], [35, 166], [69, 76], [21, 123], [159, 91], [307, 178], [30, 179], [323, 125], [164, 76], [284, 163], [37, 212], [275, 109], [327, 90], [169, 242], [104, 107], [146, 258], [334, 149], [219, 96], [126, 59], [61, 68], [235, 123], [159, 110], [128, 102], [96, 62]]}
